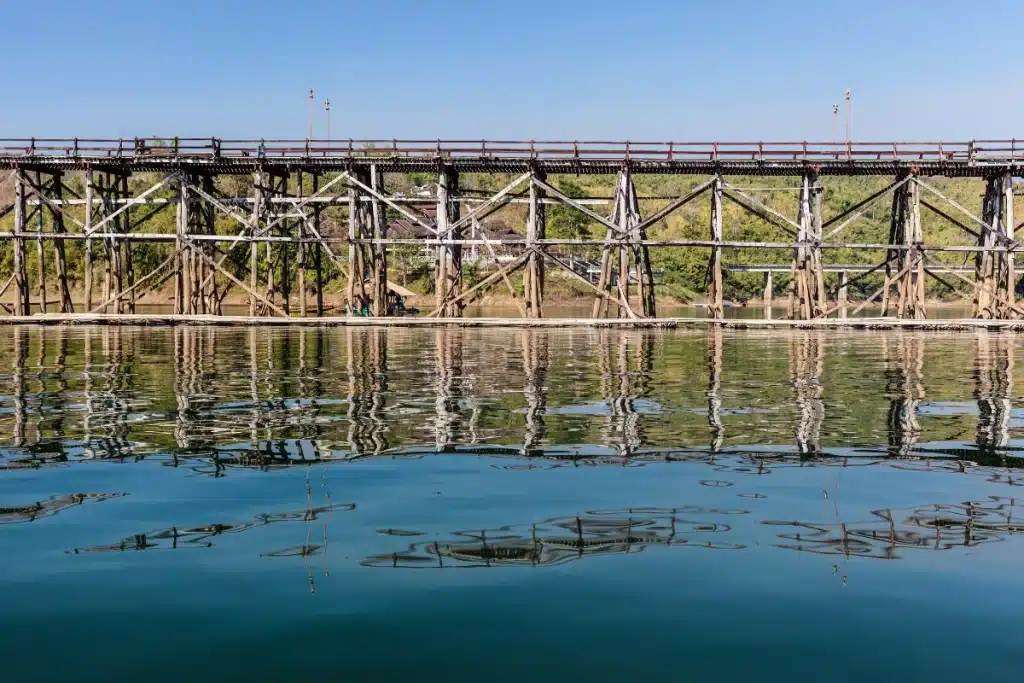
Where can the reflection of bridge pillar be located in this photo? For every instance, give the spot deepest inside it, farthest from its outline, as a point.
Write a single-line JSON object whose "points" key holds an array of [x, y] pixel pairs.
{"points": [[806, 365], [18, 375], [993, 389], [448, 367], [535, 368], [714, 359], [904, 373], [622, 424]]}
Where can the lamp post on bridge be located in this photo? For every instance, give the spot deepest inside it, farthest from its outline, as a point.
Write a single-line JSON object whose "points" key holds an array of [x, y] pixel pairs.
{"points": [[327, 112]]}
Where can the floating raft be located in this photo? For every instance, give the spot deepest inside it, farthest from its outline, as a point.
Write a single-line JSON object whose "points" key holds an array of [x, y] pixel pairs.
{"points": [[627, 323]]}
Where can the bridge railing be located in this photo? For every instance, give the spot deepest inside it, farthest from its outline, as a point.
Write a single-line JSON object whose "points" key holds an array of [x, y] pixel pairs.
{"points": [[213, 148]]}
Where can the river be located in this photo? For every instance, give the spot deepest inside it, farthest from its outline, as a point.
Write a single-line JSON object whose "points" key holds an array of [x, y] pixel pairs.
{"points": [[568, 504]]}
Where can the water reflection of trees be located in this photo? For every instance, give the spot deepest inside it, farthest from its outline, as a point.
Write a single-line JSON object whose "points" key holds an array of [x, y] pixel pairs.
{"points": [[214, 399]]}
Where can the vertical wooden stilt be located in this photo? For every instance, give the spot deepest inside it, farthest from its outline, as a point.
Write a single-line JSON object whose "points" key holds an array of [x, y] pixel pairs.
{"points": [[318, 253], [985, 261], [843, 294], [448, 274], [351, 307], [40, 253], [285, 276], [23, 303], [379, 276], [257, 213], [66, 306], [533, 273], [716, 305], [302, 232], [809, 278], [768, 294], [129, 257], [180, 259], [210, 220], [87, 275], [1010, 283]]}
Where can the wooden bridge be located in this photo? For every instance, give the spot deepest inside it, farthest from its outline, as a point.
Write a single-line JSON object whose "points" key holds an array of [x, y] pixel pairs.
{"points": [[279, 219]]}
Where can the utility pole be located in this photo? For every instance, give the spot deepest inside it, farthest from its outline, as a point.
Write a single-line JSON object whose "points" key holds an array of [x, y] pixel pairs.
{"points": [[327, 110], [849, 114], [310, 113]]}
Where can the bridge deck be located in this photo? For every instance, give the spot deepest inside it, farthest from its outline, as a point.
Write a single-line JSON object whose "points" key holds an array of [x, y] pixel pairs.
{"points": [[224, 156]]}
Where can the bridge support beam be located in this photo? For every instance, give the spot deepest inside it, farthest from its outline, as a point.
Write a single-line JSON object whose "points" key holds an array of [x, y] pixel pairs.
{"points": [[808, 276], [716, 305], [448, 267], [995, 271], [22, 300], [533, 273], [908, 260], [379, 264]]}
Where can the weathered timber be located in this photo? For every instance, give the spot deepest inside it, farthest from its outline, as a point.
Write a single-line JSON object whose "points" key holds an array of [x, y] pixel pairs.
{"points": [[287, 230]]}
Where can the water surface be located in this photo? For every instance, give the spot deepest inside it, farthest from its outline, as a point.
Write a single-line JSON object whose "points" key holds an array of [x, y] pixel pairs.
{"points": [[280, 504]]}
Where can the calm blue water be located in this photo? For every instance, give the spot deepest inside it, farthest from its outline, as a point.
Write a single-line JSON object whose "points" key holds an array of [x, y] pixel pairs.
{"points": [[220, 504]]}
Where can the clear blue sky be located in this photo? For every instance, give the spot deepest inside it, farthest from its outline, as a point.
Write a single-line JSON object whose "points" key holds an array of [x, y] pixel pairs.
{"points": [[741, 69]]}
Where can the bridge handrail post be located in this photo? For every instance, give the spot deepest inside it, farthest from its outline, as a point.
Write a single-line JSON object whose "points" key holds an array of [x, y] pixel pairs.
{"points": [[32, 147], [76, 147], [627, 150], [307, 148], [714, 151], [215, 142], [120, 147], [671, 151], [970, 152], [177, 145], [483, 148]]}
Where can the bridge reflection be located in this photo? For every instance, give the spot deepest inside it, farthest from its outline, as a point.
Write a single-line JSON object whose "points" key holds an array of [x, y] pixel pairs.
{"points": [[260, 399]]}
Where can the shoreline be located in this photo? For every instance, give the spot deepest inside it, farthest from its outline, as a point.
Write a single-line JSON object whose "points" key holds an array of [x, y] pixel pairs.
{"points": [[158, 319]]}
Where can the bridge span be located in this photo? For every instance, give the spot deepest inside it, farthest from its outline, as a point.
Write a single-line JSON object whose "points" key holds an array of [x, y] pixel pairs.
{"points": [[266, 216]]}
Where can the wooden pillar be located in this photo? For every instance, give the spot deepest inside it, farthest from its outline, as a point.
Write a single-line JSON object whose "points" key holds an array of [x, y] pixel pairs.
{"points": [[40, 253], [843, 294], [318, 252], [768, 290], [128, 258], [533, 274], [985, 261], [66, 306], [180, 292], [212, 295], [257, 213], [716, 304], [285, 275], [913, 290], [379, 274], [358, 219], [87, 275], [448, 272], [23, 302], [1010, 264], [808, 275], [302, 232]]}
